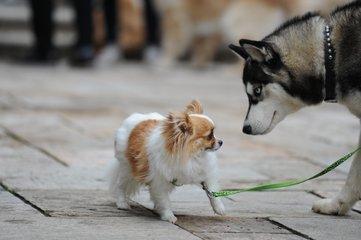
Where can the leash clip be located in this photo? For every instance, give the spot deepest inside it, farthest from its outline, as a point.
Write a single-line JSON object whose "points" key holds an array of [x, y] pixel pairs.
{"points": [[174, 183]]}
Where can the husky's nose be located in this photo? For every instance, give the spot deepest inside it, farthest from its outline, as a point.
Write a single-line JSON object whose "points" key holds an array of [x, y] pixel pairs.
{"points": [[220, 143], [247, 129]]}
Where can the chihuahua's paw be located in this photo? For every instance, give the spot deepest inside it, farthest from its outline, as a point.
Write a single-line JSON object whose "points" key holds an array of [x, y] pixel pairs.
{"points": [[330, 207], [218, 207], [123, 205], [168, 216]]}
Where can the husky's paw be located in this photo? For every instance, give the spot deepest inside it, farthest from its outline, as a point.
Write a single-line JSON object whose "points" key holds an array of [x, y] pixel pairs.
{"points": [[330, 207], [218, 207], [168, 216], [123, 205]]}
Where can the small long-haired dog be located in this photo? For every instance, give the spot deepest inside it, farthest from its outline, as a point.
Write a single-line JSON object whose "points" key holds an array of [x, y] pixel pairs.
{"points": [[162, 152]]}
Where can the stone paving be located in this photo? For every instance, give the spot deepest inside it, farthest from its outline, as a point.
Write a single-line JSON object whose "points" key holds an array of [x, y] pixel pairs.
{"points": [[56, 140]]}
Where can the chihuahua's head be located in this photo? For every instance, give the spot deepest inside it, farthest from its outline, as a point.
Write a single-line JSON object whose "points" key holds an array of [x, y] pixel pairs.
{"points": [[190, 132]]}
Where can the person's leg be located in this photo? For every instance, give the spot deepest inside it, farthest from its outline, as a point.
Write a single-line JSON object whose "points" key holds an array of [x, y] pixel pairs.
{"points": [[110, 53], [83, 53], [152, 23], [84, 22], [110, 12], [43, 27]]}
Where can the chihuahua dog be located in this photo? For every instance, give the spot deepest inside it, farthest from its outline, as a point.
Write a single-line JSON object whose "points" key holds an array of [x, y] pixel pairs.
{"points": [[165, 152]]}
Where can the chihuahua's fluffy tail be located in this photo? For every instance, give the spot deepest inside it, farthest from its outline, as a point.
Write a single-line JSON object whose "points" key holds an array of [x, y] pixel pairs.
{"points": [[121, 180], [113, 173]]}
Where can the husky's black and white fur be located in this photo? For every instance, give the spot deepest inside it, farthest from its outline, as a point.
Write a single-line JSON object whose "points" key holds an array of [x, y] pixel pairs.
{"points": [[286, 72]]}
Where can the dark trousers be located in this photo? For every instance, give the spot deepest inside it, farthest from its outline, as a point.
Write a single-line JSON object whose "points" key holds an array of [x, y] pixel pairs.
{"points": [[84, 22], [152, 23], [42, 25], [110, 13]]}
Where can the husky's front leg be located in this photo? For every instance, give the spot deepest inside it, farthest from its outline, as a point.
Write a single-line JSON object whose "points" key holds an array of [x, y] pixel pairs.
{"points": [[216, 203], [349, 195]]}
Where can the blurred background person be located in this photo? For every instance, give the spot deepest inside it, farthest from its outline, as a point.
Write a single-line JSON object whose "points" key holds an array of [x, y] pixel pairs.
{"points": [[42, 23], [83, 53]]}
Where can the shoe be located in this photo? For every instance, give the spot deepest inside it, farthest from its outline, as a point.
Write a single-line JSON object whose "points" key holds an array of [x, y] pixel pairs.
{"points": [[109, 55], [82, 56], [40, 57], [152, 53]]}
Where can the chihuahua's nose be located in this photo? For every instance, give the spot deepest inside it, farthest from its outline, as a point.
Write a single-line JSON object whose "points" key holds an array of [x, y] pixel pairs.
{"points": [[220, 142], [247, 129]]}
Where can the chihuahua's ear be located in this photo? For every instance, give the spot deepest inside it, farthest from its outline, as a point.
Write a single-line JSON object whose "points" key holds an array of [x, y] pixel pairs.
{"points": [[258, 51], [194, 107], [181, 122]]}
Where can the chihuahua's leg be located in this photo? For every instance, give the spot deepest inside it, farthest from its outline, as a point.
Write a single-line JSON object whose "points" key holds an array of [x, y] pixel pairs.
{"points": [[349, 195], [122, 186], [159, 193], [129, 188], [216, 203], [122, 195], [122, 202]]}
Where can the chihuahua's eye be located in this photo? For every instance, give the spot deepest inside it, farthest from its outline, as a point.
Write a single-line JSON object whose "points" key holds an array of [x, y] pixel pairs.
{"points": [[210, 136], [257, 91]]}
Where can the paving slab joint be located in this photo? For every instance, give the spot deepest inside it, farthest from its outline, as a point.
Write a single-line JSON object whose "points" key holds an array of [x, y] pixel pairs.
{"points": [[293, 231], [13, 192], [24, 141]]}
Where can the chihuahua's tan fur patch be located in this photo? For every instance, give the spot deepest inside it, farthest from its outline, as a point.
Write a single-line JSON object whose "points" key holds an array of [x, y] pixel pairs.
{"points": [[136, 151]]}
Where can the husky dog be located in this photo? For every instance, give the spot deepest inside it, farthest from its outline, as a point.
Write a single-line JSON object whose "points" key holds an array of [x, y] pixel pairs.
{"points": [[306, 61]]}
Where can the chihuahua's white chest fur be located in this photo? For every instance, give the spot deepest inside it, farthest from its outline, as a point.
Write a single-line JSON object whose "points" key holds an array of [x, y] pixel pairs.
{"points": [[161, 152], [185, 171]]}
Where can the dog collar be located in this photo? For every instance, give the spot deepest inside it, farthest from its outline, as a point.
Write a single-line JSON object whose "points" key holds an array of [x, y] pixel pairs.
{"points": [[330, 78]]}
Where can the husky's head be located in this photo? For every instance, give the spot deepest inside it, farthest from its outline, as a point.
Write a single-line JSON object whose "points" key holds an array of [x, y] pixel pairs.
{"points": [[273, 87]]}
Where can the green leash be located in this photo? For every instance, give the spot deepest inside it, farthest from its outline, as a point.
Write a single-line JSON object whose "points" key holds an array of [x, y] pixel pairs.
{"points": [[283, 184]]}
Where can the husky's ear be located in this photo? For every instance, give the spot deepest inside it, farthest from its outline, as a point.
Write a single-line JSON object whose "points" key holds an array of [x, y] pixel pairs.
{"points": [[181, 122], [256, 50], [194, 107], [239, 51]]}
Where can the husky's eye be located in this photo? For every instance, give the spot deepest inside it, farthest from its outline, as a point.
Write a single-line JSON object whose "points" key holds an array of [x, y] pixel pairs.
{"points": [[257, 91]]}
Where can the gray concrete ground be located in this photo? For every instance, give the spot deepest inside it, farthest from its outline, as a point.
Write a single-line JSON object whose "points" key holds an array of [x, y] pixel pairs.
{"points": [[56, 139]]}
